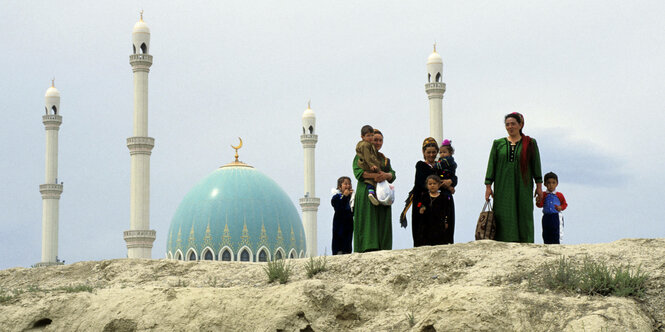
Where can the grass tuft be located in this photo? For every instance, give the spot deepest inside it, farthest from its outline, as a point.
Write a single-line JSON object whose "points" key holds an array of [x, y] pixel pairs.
{"points": [[76, 288], [314, 266], [278, 270], [594, 278]]}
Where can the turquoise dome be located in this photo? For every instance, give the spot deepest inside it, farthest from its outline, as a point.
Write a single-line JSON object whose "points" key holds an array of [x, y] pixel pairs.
{"points": [[236, 214]]}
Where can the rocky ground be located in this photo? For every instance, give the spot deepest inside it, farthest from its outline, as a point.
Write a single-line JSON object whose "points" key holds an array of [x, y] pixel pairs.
{"points": [[476, 286]]}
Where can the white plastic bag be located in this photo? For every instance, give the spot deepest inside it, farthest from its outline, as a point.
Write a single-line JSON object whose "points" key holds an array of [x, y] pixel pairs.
{"points": [[385, 193]]}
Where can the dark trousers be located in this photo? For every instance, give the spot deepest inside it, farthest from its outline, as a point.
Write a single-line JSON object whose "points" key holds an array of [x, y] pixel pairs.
{"points": [[551, 230]]}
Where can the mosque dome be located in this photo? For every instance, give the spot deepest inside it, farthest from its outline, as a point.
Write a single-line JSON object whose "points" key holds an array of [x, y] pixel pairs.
{"points": [[140, 27], [434, 58], [236, 214], [52, 92]]}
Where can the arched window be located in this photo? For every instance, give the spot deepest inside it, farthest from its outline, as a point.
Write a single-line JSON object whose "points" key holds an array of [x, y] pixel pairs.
{"points": [[208, 255], [303, 131], [263, 257], [244, 256], [429, 78], [278, 255], [192, 255], [438, 77], [55, 110], [134, 48], [46, 111], [302, 254], [226, 255], [311, 129], [292, 254], [144, 49], [178, 256]]}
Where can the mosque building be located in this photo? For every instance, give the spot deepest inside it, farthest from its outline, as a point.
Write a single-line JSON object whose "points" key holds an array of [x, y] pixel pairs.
{"points": [[222, 217]]}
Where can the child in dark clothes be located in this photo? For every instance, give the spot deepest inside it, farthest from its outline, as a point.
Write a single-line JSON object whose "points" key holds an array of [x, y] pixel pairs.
{"points": [[552, 203], [446, 163], [343, 218], [433, 206]]}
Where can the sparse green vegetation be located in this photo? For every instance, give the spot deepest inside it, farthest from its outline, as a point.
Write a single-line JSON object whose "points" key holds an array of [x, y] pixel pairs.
{"points": [[180, 283], [212, 281], [278, 270], [411, 318], [76, 288], [314, 266], [593, 278]]}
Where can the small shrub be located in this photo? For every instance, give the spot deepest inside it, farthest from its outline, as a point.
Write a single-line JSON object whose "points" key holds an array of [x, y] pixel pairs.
{"points": [[76, 288], [594, 278], [314, 266], [278, 270], [212, 281], [411, 318], [181, 283]]}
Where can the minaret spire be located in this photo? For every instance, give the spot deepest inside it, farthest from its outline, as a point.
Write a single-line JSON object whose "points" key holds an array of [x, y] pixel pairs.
{"points": [[139, 237], [51, 189], [309, 203], [435, 89]]}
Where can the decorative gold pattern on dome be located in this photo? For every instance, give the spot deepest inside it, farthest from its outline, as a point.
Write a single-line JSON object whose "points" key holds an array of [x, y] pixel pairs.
{"points": [[280, 238], [191, 242], [207, 239], [293, 238], [236, 162], [170, 244], [244, 239], [178, 242], [263, 240], [226, 237]]}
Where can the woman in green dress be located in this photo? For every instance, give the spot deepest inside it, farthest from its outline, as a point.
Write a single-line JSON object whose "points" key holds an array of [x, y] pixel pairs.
{"points": [[372, 229], [513, 167]]}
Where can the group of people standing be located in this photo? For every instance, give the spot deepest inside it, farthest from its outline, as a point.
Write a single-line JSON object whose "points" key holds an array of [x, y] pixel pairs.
{"points": [[512, 170]]}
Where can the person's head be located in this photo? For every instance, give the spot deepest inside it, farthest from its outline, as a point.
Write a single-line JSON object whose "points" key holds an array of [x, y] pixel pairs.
{"points": [[430, 150], [433, 183], [514, 123], [551, 181], [367, 133], [446, 149], [377, 140], [343, 183]]}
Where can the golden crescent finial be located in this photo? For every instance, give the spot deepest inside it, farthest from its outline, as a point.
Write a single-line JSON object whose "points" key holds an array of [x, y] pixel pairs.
{"points": [[434, 47], [308, 102], [141, 15], [237, 147], [53, 82]]}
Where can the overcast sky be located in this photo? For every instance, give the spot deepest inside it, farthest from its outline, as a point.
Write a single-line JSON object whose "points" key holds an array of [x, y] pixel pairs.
{"points": [[588, 77]]}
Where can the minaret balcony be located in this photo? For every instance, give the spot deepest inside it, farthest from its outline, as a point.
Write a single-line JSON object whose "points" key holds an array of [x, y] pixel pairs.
{"points": [[309, 140], [435, 88], [51, 190], [310, 203], [140, 61], [52, 121], [140, 145], [140, 238]]}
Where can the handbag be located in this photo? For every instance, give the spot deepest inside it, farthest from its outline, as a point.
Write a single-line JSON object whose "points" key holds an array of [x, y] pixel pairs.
{"points": [[486, 227]]}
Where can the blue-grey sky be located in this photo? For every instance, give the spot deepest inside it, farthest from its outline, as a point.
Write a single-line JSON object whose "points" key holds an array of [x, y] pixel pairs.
{"points": [[588, 76]]}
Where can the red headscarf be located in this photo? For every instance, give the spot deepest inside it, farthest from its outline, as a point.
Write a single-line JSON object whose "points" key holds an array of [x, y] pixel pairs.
{"points": [[527, 149]]}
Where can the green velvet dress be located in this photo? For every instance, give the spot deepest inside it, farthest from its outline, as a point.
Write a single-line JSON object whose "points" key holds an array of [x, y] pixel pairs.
{"points": [[513, 199], [372, 225]]}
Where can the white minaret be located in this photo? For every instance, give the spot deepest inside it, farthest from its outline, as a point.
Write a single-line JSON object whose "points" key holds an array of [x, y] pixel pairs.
{"points": [[51, 190], [435, 89], [140, 237], [309, 203]]}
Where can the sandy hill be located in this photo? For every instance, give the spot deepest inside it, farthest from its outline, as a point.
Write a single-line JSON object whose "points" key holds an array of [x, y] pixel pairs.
{"points": [[477, 286]]}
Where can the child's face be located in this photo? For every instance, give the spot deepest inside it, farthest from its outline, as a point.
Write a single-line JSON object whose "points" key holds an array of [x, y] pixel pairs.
{"points": [[551, 184], [346, 185], [432, 186], [444, 152], [368, 137]]}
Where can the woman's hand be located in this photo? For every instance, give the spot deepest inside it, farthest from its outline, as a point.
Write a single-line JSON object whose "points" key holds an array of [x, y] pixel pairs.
{"points": [[488, 192], [448, 184], [539, 193]]}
